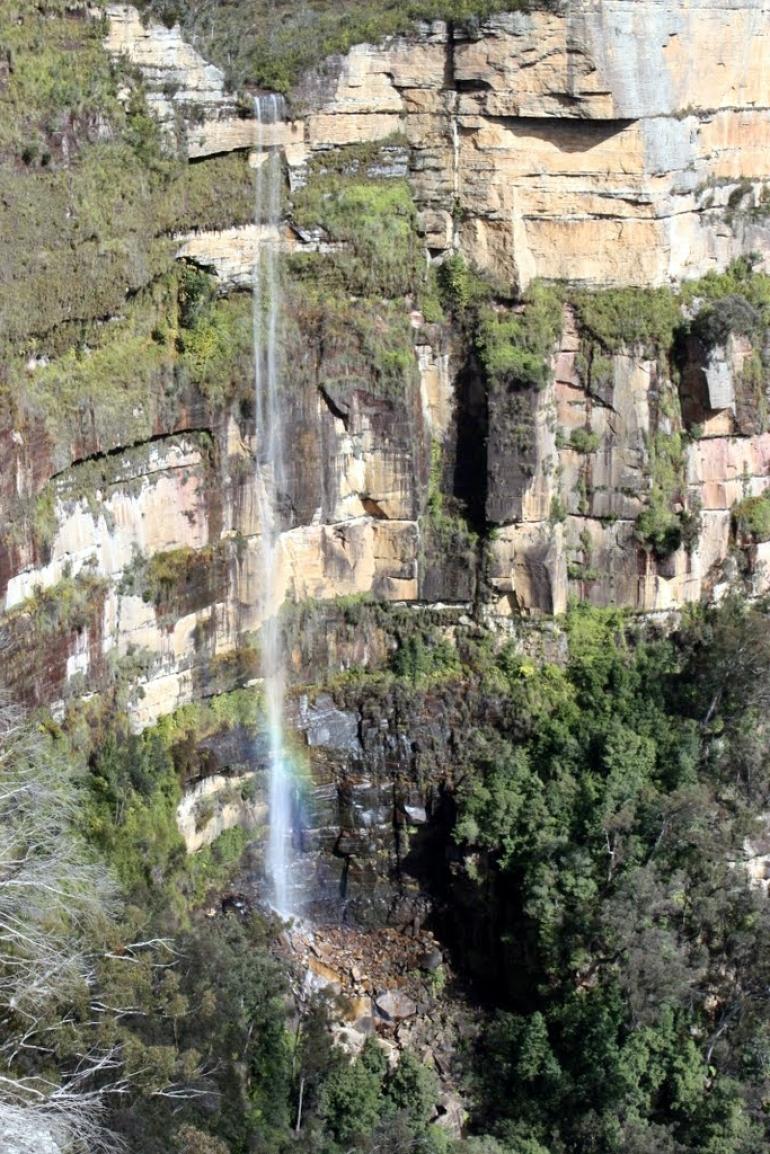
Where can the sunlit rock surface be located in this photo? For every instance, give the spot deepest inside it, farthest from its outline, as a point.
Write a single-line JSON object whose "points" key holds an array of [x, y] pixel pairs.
{"points": [[609, 144]]}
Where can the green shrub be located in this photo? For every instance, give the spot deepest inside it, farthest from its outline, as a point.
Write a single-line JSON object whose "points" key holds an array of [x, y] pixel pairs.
{"points": [[60, 76], [375, 221], [659, 526], [176, 581], [130, 372], [597, 909], [86, 226], [430, 302], [558, 511], [130, 813], [739, 279], [752, 517], [217, 350], [629, 317], [584, 441], [68, 605], [76, 242], [213, 867], [422, 657], [461, 287], [214, 193], [737, 300], [351, 1101], [725, 316], [516, 347], [413, 1089]]}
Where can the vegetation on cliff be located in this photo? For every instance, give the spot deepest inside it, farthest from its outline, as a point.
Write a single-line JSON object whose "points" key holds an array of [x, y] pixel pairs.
{"points": [[516, 347], [126, 1001], [597, 816], [351, 303], [295, 37], [752, 517], [89, 195], [374, 223], [603, 811]]}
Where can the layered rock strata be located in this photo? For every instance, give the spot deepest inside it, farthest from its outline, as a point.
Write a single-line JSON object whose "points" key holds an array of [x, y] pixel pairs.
{"points": [[589, 143], [603, 144]]}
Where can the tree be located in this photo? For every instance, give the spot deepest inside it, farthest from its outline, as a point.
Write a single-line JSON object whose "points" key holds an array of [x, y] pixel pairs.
{"points": [[413, 1089], [53, 896], [351, 1099]]}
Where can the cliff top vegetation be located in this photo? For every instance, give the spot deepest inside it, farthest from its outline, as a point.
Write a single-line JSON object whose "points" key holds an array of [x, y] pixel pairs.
{"points": [[296, 36]]}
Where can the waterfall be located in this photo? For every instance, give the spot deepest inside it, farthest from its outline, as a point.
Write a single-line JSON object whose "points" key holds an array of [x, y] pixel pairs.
{"points": [[455, 130], [270, 488]]}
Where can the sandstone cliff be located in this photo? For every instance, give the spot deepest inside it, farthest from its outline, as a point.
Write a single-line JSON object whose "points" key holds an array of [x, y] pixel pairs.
{"points": [[608, 147]]}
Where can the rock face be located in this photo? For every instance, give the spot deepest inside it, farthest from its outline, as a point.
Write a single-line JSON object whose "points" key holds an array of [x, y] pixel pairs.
{"points": [[394, 1005], [181, 86], [25, 1133], [216, 804], [605, 144], [573, 527], [600, 143]]}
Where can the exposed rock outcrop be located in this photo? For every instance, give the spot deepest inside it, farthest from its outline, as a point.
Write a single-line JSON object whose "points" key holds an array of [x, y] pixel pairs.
{"points": [[602, 144], [215, 804], [591, 143], [595, 144]]}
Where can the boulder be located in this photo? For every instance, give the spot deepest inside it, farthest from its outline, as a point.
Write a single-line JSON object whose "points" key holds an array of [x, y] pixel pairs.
{"points": [[394, 1005]]}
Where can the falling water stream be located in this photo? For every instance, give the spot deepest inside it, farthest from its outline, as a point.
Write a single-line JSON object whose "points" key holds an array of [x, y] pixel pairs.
{"points": [[270, 487]]}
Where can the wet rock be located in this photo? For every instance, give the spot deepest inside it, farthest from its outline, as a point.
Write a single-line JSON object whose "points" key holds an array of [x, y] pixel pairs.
{"points": [[408, 912], [236, 903], [353, 842], [327, 726]]}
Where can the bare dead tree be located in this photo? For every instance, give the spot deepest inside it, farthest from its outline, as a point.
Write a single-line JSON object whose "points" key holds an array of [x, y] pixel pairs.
{"points": [[52, 895]]}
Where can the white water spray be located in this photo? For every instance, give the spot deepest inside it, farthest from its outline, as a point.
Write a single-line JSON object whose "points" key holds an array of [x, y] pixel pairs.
{"points": [[270, 487]]}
